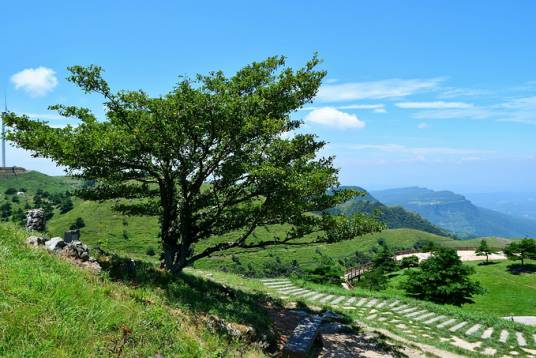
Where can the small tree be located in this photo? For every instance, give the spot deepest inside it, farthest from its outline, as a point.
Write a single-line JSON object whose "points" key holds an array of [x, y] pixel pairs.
{"points": [[521, 250], [442, 278], [78, 224], [208, 158], [409, 262], [485, 250], [384, 260]]}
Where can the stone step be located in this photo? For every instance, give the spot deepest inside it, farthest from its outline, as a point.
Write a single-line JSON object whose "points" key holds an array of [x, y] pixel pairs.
{"points": [[338, 300], [394, 303], [424, 316], [473, 329], [317, 296], [307, 294], [300, 342], [372, 316], [276, 285], [361, 302], [289, 290], [382, 304], [446, 323], [457, 327], [521, 339], [325, 299], [287, 285], [372, 302], [503, 336], [351, 300], [487, 333], [413, 314], [408, 310], [298, 293], [435, 319], [400, 308], [273, 280]]}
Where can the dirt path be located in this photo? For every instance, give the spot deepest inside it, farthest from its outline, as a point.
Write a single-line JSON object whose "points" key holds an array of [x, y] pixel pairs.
{"points": [[465, 255]]}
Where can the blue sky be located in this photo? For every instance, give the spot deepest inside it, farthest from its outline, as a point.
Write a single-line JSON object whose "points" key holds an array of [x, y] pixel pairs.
{"points": [[439, 94]]}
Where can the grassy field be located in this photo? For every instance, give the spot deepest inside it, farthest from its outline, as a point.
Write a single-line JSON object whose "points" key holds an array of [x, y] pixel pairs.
{"points": [[506, 294], [51, 308], [33, 181]]}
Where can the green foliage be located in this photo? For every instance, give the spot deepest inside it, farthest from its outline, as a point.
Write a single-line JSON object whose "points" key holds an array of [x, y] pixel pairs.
{"points": [[442, 278], [374, 280], [409, 262], [5, 211], [66, 205], [327, 271], [150, 251], [208, 158], [384, 259], [521, 250], [341, 228], [484, 250], [78, 224], [10, 191]]}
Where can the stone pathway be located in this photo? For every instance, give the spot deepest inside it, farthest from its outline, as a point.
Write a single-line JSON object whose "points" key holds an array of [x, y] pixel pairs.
{"points": [[418, 324]]}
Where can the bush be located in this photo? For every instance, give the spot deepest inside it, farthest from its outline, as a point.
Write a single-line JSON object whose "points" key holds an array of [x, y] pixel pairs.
{"points": [[327, 271], [384, 259], [442, 278], [409, 261], [277, 268], [374, 279], [150, 251], [78, 224], [10, 191]]}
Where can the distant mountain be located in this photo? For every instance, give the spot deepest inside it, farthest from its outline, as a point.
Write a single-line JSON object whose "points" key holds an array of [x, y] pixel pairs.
{"points": [[453, 212], [393, 217], [516, 204]]}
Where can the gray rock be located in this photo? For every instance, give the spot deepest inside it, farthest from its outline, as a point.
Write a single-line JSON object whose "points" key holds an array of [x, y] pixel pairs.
{"points": [[35, 241], [77, 250], [71, 235], [55, 244], [35, 220]]}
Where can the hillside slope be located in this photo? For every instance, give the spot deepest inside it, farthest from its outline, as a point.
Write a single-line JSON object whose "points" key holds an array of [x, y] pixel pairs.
{"points": [[453, 212], [33, 181], [50, 308], [394, 217]]}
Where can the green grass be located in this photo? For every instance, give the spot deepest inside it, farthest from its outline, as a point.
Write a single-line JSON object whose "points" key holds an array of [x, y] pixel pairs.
{"points": [[506, 294], [33, 181], [50, 308]]}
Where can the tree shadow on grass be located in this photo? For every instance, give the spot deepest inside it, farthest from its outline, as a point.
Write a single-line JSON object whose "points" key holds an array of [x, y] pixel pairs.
{"points": [[198, 295], [489, 263], [518, 269]]}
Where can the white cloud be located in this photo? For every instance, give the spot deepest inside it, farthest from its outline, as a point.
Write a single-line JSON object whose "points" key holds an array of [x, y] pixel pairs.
{"points": [[433, 105], [391, 88], [422, 125], [378, 108], [398, 148], [35, 81], [462, 92], [520, 110], [332, 117], [471, 113]]}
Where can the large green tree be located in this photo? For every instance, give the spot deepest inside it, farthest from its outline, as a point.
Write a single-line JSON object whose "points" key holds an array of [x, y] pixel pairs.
{"points": [[521, 250], [442, 278], [210, 157]]}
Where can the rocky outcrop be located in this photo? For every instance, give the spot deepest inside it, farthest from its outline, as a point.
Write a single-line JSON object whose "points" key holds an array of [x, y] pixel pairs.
{"points": [[35, 220], [55, 244], [35, 241], [75, 251]]}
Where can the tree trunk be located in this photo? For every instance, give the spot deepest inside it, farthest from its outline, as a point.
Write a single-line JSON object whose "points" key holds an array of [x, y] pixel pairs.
{"points": [[168, 225]]}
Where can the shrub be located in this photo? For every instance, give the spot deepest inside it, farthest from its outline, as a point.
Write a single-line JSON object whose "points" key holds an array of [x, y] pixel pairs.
{"points": [[327, 271], [442, 278], [409, 261], [10, 191], [78, 224], [374, 279], [150, 251]]}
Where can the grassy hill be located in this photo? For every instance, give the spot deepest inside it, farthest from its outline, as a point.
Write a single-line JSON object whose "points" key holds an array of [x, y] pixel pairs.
{"points": [[33, 181], [394, 217], [50, 308], [453, 212]]}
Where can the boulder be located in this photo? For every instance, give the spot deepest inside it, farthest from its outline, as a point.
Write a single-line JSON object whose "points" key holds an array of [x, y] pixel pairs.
{"points": [[71, 235], [35, 241], [35, 220], [55, 244], [77, 250]]}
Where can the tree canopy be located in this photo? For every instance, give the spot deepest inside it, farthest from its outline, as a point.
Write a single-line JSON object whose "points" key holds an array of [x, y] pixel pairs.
{"points": [[442, 278], [521, 250], [213, 156], [484, 250]]}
